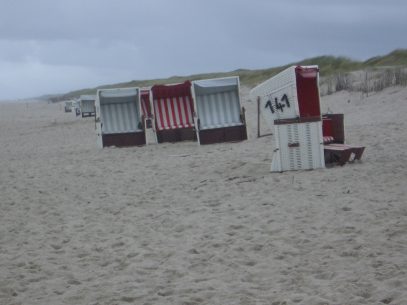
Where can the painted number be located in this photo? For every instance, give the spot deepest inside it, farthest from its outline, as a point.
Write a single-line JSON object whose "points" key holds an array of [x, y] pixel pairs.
{"points": [[278, 106]]}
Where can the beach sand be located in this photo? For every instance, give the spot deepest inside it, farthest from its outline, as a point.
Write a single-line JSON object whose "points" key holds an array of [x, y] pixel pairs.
{"points": [[183, 224]]}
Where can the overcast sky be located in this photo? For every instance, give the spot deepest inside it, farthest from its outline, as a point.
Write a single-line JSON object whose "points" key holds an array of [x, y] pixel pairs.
{"points": [[55, 46]]}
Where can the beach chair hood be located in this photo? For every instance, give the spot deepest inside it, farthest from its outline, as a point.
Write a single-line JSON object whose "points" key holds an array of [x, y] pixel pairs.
{"points": [[173, 106]]}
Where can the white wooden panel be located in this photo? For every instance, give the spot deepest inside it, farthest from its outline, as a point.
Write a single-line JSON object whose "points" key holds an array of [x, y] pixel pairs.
{"points": [[278, 96], [271, 94], [299, 147]]}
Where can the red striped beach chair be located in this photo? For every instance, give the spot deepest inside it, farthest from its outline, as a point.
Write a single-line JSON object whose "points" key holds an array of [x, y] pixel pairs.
{"points": [[173, 112]]}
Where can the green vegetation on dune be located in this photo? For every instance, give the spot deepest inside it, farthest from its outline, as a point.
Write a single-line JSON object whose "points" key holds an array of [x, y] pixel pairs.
{"points": [[331, 64], [328, 65], [396, 58]]}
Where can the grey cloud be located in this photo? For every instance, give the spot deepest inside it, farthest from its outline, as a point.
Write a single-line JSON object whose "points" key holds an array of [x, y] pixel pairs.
{"points": [[92, 42]]}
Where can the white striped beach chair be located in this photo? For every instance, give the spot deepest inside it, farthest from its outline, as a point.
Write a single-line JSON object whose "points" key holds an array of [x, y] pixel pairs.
{"points": [[220, 117]]}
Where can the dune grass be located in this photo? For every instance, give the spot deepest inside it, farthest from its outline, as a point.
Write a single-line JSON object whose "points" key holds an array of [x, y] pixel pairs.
{"points": [[328, 65]]}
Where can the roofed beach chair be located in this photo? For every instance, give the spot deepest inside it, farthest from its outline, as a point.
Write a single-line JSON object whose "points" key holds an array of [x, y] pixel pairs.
{"points": [[118, 117], [290, 104], [220, 117], [173, 112], [87, 105]]}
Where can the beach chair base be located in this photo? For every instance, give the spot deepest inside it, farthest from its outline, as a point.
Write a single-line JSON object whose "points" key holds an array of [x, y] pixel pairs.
{"points": [[176, 135], [88, 114], [124, 139], [224, 134], [342, 153]]}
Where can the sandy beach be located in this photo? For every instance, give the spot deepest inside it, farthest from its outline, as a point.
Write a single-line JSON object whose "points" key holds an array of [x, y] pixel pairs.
{"points": [[188, 224]]}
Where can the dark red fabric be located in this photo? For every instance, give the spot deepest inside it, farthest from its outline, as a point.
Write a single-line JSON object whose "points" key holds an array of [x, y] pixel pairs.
{"points": [[168, 91], [337, 124], [307, 91], [327, 127]]}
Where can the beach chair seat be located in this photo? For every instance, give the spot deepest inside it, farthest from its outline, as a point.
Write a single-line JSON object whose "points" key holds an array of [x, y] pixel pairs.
{"points": [[356, 151], [342, 153], [337, 154]]}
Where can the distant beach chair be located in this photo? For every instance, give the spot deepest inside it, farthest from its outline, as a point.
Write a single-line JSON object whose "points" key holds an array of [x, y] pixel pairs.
{"points": [[87, 103], [118, 117], [68, 106], [173, 112], [220, 117], [335, 149]]}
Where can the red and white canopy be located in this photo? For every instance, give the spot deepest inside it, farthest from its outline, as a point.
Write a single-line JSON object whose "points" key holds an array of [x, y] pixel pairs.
{"points": [[173, 106]]}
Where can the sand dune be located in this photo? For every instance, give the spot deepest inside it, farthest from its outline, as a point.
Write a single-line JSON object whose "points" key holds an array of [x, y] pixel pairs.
{"points": [[183, 224]]}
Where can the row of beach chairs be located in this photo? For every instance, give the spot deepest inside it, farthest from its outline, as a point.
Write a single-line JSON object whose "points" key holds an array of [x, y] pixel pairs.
{"points": [[209, 111], [206, 111]]}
